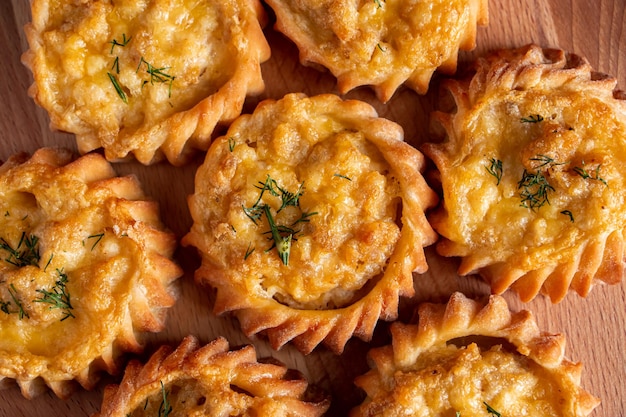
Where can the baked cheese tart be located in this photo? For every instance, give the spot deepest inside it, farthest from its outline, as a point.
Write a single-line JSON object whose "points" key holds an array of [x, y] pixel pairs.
{"points": [[149, 78], [84, 269], [467, 358], [533, 173], [381, 43], [207, 381], [309, 217]]}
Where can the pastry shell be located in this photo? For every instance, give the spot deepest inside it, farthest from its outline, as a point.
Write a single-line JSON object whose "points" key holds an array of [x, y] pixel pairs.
{"points": [[352, 254], [533, 174], [85, 270], [152, 79], [381, 43], [444, 365], [209, 380]]}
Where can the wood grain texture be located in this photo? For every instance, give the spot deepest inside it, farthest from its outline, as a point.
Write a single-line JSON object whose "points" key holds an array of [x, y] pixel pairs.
{"points": [[594, 326]]}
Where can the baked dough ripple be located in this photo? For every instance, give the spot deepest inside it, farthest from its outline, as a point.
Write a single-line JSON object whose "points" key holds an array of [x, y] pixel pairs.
{"points": [[344, 249], [533, 172], [84, 269], [382, 43], [465, 358], [210, 381], [151, 78]]}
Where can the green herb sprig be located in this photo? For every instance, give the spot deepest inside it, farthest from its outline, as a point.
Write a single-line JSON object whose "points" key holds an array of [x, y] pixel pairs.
{"points": [[58, 297], [25, 253], [569, 214], [490, 410], [534, 186], [280, 235], [165, 408], [582, 171], [495, 168], [118, 88], [115, 42], [535, 189], [20, 308], [157, 75], [533, 118]]}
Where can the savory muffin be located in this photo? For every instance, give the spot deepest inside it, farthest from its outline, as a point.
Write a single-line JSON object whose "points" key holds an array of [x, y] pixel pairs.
{"points": [[309, 217], [382, 43], [466, 358], [148, 78], [84, 269], [209, 380], [533, 173]]}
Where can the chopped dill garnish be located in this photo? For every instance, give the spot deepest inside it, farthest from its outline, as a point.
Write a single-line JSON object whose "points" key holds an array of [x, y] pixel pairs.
{"points": [[165, 408], [490, 410], [535, 189], [124, 42], [118, 87], [533, 118], [231, 144], [587, 176], [98, 238], [248, 251], [281, 235], [157, 75], [48, 263], [495, 169], [13, 293], [569, 214], [26, 252], [116, 65], [342, 176], [58, 297], [544, 160]]}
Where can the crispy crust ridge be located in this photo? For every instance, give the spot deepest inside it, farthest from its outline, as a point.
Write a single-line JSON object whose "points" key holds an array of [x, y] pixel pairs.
{"points": [[557, 84], [152, 124], [242, 279], [375, 43], [226, 381], [99, 232], [460, 318]]}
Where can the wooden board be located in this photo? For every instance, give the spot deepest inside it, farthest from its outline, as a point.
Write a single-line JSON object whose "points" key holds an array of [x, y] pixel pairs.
{"points": [[594, 326]]}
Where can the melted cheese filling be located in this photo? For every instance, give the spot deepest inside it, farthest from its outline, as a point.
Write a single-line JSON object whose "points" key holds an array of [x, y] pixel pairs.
{"points": [[575, 151], [117, 68], [36, 337], [449, 379], [382, 38], [350, 199]]}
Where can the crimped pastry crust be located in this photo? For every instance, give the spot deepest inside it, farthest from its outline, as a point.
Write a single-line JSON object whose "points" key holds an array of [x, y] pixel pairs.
{"points": [[352, 253], [148, 78], [73, 231], [465, 355], [533, 172], [209, 380], [382, 43]]}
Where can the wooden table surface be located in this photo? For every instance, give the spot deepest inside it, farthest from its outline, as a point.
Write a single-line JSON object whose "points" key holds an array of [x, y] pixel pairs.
{"points": [[594, 326]]}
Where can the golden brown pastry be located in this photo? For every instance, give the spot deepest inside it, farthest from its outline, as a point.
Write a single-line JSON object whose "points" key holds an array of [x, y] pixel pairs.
{"points": [[471, 359], [84, 269], [148, 78], [206, 381], [533, 172], [309, 216], [382, 43]]}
